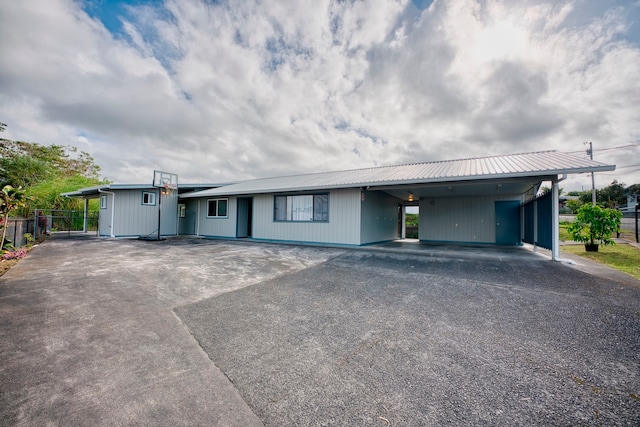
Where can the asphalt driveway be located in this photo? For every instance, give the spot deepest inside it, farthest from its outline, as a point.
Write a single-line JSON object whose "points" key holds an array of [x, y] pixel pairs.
{"points": [[236, 333]]}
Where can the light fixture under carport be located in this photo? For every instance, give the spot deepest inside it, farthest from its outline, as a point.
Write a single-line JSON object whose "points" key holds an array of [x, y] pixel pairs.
{"points": [[410, 199]]}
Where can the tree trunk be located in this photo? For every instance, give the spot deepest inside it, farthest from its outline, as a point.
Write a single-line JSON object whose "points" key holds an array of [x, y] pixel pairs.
{"points": [[4, 230]]}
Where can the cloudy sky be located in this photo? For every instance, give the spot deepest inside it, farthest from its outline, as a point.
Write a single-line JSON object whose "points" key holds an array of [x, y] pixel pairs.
{"points": [[226, 90]]}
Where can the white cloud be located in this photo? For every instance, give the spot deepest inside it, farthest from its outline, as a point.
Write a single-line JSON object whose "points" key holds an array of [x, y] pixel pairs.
{"points": [[233, 90]]}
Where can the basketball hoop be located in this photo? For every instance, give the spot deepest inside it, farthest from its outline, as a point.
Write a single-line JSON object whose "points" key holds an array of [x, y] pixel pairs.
{"points": [[168, 188], [167, 182]]}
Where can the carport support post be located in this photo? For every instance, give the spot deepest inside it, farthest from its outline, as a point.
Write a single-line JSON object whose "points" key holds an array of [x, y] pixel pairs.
{"points": [[555, 229], [637, 205], [403, 234], [85, 224]]}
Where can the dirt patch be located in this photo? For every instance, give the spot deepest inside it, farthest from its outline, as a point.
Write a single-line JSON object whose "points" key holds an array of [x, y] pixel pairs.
{"points": [[6, 264]]}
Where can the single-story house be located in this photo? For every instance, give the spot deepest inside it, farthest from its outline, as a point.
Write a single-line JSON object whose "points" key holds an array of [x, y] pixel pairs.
{"points": [[487, 200]]}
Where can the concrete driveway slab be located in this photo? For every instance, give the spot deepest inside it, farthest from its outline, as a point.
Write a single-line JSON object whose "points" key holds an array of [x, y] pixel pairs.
{"points": [[88, 336], [369, 338]]}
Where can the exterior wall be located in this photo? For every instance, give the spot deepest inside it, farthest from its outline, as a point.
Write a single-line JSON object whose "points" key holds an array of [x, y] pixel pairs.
{"points": [[379, 220], [169, 214], [464, 219], [133, 219], [343, 226], [216, 227]]}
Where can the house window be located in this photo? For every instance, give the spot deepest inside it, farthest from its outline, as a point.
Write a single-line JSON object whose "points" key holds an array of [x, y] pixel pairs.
{"points": [[103, 201], [148, 198], [217, 208], [305, 207]]}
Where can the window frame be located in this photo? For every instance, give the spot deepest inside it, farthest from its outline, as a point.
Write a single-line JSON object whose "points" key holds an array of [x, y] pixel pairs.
{"points": [[315, 209], [217, 210], [152, 198], [103, 201]]}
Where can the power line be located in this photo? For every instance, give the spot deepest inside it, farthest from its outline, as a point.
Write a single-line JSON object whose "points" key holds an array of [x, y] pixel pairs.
{"points": [[635, 143], [628, 166]]}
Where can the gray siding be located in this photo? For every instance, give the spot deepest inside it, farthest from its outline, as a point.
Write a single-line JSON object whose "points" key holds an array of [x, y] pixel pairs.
{"points": [[343, 226], [379, 221], [169, 215], [132, 218], [216, 227], [466, 219]]}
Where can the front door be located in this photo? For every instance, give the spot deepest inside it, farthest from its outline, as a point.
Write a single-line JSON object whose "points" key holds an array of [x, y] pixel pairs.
{"points": [[508, 222], [245, 211]]}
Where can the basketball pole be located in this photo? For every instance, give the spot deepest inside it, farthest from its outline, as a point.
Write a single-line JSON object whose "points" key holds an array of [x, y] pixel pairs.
{"points": [[165, 182], [159, 210]]}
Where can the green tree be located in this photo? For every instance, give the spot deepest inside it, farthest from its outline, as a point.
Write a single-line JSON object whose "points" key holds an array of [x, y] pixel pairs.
{"points": [[10, 200], [45, 172], [546, 190], [613, 195], [574, 205]]}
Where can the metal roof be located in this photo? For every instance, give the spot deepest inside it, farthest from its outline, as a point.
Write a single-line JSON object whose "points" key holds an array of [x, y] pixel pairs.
{"points": [[95, 190], [87, 191], [536, 164]]}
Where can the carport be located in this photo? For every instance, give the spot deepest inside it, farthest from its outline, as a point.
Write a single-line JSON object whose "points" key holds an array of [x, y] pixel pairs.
{"points": [[503, 189]]}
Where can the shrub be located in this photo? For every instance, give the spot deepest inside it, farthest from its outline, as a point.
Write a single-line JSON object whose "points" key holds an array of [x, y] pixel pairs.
{"points": [[594, 225]]}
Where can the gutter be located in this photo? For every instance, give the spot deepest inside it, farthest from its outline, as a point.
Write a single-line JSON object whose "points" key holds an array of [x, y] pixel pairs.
{"points": [[113, 210]]}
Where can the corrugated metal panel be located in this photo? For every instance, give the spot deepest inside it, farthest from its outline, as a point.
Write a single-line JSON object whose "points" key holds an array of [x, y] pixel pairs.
{"points": [[517, 165]]}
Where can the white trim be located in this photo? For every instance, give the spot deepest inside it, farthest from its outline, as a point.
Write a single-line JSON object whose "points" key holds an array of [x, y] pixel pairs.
{"points": [[555, 228], [151, 199]]}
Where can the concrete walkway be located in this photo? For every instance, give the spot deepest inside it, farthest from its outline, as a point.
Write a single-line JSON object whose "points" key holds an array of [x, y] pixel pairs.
{"points": [[99, 332]]}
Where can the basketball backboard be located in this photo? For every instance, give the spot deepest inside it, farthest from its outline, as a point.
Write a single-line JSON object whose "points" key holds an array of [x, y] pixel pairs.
{"points": [[165, 180]]}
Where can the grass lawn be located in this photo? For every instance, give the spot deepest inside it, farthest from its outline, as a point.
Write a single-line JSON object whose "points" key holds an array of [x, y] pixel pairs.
{"points": [[622, 257]]}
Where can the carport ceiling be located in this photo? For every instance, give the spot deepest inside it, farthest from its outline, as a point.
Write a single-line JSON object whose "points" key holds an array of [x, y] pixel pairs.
{"points": [[466, 188]]}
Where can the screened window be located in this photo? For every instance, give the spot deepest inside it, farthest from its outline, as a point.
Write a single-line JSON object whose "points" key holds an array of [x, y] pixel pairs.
{"points": [[148, 198], [217, 208], [306, 207], [103, 201]]}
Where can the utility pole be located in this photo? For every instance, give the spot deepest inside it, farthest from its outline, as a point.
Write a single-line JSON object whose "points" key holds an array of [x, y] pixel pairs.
{"points": [[593, 180]]}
